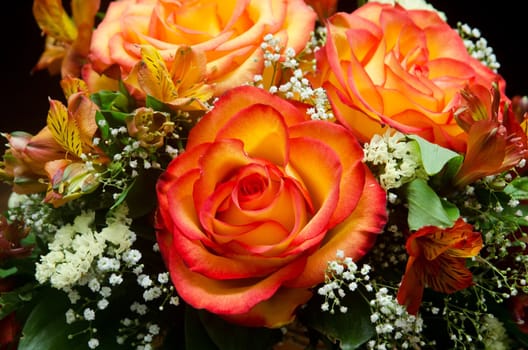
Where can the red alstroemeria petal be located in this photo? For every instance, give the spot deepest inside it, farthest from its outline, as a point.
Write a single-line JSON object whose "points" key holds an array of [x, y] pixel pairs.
{"points": [[447, 274], [411, 289]]}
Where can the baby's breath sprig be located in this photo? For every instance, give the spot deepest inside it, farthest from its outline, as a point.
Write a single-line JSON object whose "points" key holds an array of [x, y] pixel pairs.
{"points": [[394, 327], [289, 70], [493, 207], [393, 159], [471, 323], [92, 265], [477, 46]]}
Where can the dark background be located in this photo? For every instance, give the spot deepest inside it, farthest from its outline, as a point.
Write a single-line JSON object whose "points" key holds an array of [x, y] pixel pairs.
{"points": [[24, 96]]}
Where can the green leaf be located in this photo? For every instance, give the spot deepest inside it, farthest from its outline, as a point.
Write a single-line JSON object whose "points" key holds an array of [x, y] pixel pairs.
{"points": [[157, 105], [426, 208], [517, 188], [111, 100], [141, 198], [102, 125], [228, 336], [122, 196], [14, 299], [434, 157], [46, 327], [8, 272], [351, 329]]}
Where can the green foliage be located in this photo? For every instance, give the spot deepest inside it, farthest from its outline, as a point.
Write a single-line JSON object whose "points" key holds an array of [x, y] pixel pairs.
{"points": [[350, 329], [46, 327], [517, 188], [206, 331], [426, 208], [16, 299], [119, 101], [434, 157]]}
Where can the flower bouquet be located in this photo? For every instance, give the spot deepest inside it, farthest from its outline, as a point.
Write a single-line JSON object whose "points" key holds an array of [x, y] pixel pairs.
{"points": [[266, 175]]}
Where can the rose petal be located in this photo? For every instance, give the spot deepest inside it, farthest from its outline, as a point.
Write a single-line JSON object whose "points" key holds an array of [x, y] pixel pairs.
{"points": [[350, 154], [231, 103], [262, 130], [226, 296], [354, 236]]}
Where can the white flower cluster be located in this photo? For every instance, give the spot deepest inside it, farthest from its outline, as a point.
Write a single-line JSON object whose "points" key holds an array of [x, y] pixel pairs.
{"points": [[342, 274], [395, 160], [395, 328], [297, 87], [89, 264], [76, 247], [477, 46], [30, 209]]}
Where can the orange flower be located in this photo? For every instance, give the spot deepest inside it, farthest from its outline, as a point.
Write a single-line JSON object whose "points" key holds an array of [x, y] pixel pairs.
{"points": [[66, 137], [257, 204], [437, 259], [228, 33], [182, 88], [149, 127], [384, 66], [67, 39], [496, 142], [25, 158]]}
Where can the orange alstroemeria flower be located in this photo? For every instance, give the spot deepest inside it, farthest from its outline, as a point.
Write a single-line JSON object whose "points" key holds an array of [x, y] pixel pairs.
{"points": [[385, 66], [24, 160], [437, 260], [30, 162], [183, 87], [496, 140], [67, 38], [257, 204]]}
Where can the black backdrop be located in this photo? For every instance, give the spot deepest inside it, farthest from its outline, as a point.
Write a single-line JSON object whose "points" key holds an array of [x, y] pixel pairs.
{"points": [[24, 96]]}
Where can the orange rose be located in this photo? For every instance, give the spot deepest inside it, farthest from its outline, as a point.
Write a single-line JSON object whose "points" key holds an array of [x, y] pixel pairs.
{"points": [[228, 33], [258, 203], [383, 65]]}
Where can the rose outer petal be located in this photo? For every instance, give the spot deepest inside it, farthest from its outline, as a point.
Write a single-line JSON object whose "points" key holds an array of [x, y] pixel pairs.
{"points": [[355, 236], [227, 296], [234, 101]]}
